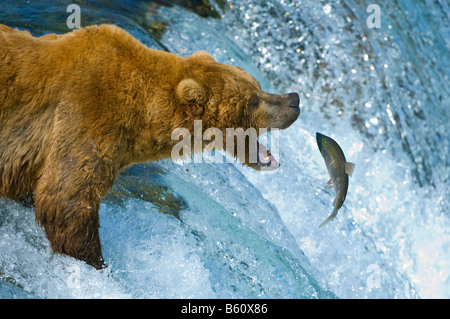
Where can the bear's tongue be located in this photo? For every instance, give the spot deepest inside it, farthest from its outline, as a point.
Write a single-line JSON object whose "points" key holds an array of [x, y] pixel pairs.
{"points": [[265, 159]]}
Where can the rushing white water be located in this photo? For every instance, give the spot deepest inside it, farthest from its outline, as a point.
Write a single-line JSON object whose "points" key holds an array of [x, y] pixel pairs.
{"points": [[226, 231]]}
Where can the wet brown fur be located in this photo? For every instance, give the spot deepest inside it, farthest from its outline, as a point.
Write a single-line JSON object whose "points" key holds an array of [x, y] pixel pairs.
{"points": [[75, 109]]}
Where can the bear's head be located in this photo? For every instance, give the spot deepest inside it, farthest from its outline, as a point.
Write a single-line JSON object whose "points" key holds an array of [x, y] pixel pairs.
{"points": [[225, 96]]}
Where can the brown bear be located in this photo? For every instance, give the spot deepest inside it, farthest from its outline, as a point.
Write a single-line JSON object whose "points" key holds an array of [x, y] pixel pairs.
{"points": [[77, 108]]}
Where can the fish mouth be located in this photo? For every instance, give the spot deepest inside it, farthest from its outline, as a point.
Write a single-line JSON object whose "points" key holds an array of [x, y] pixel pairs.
{"points": [[319, 140], [264, 159]]}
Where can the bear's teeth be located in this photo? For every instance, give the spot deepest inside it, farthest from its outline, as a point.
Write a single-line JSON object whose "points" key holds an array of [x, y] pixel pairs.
{"points": [[265, 157]]}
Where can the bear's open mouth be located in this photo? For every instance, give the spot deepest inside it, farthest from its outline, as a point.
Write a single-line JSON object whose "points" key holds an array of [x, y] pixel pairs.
{"points": [[265, 159]]}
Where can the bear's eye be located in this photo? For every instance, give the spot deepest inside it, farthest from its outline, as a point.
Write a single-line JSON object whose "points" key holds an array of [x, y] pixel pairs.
{"points": [[254, 102]]}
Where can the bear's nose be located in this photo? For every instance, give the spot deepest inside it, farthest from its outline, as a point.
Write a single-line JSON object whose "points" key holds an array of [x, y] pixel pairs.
{"points": [[294, 100]]}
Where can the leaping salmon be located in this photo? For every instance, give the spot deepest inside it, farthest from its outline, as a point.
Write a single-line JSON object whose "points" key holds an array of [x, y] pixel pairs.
{"points": [[338, 168]]}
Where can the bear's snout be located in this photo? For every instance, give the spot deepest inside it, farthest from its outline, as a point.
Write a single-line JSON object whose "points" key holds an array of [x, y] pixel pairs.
{"points": [[294, 100], [281, 110]]}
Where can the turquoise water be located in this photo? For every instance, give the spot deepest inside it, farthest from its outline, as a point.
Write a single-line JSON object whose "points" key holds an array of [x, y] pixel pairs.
{"points": [[224, 231]]}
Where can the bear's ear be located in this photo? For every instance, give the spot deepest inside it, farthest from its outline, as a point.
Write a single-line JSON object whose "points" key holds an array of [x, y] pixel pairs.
{"points": [[190, 91], [203, 55]]}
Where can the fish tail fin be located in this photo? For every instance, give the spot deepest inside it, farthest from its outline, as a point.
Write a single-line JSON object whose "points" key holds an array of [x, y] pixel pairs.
{"points": [[330, 218]]}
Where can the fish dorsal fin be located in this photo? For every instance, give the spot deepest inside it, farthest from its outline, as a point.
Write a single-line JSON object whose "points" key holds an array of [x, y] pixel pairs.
{"points": [[349, 168], [329, 183]]}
